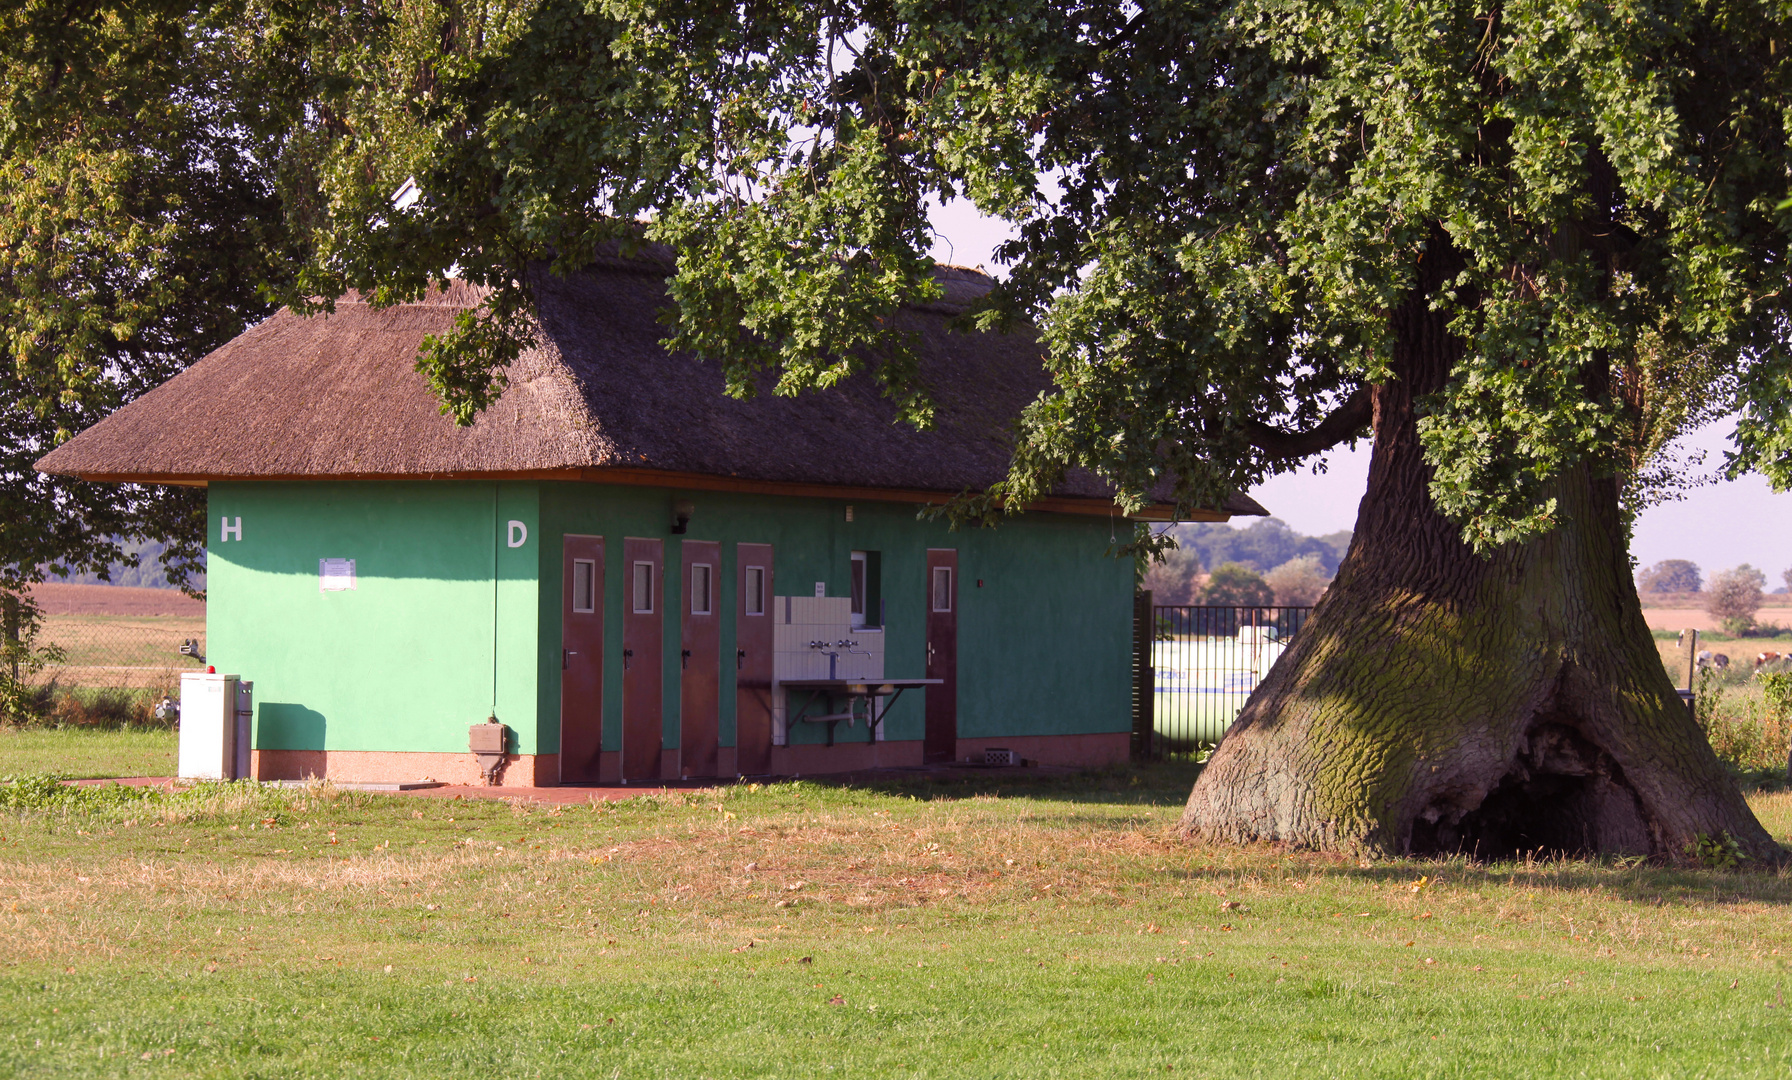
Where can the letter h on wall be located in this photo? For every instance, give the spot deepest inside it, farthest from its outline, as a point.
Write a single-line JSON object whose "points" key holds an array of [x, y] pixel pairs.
{"points": [[228, 530]]}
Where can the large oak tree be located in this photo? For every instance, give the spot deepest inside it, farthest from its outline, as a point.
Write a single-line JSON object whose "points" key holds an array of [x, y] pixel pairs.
{"points": [[1517, 245]]}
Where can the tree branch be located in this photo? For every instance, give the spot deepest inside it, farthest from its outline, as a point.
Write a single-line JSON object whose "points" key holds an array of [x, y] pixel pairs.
{"points": [[1345, 422]]}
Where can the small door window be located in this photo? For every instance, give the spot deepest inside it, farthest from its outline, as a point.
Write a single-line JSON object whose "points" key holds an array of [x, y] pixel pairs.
{"points": [[858, 588], [942, 588], [643, 588], [584, 586], [755, 584], [700, 601]]}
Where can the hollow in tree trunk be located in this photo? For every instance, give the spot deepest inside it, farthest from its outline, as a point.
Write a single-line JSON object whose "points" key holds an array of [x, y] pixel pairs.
{"points": [[1439, 701]]}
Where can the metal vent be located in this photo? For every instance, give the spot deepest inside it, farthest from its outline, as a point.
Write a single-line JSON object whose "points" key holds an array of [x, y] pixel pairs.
{"points": [[995, 755]]}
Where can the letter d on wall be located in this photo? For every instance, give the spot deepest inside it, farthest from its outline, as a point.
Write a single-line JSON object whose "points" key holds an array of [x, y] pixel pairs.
{"points": [[519, 533]]}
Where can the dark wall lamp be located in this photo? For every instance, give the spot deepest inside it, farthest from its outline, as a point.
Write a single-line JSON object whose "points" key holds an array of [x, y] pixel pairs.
{"points": [[681, 515]]}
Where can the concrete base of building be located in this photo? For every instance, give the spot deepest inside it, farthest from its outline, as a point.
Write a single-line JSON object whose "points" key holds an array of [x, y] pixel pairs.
{"points": [[805, 759], [380, 766], [1077, 751], [817, 759]]}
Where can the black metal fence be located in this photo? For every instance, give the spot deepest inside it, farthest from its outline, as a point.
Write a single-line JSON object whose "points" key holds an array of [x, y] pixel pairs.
{"points": [[1204, 662]]}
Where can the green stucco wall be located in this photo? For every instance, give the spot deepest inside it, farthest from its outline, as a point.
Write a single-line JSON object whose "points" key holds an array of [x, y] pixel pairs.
{"points": [[429, 643]]}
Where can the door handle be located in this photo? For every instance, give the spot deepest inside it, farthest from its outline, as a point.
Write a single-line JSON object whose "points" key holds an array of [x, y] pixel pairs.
{"points": [[627, 654], [564, 653], [930, 654], [740, 659], [684, 659]]}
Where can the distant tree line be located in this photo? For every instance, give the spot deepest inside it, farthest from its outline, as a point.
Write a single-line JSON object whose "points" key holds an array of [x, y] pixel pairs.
{"points": [[1670, 576], [1734, 596], [1265, 563], [146, 572], [1683, 576], [1261, 546]]}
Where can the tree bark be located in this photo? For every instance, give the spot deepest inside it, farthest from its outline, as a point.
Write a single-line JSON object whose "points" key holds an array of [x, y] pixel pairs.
{"points": [[1439, 701]]}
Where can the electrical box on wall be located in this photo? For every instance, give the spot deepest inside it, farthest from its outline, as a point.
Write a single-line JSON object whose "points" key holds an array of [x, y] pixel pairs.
{"points": [[215, 717]]}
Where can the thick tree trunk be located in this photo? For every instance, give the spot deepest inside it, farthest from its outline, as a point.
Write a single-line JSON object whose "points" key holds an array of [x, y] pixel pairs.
{"points": [[1440, 702]]}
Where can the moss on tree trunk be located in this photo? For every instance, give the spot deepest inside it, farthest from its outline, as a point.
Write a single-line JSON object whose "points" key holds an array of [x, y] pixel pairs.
{"points": [[1439, 701]]}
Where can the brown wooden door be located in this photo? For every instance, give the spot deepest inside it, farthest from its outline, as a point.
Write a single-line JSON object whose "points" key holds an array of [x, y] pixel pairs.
{"points": [[700, 665], [581, 658], [941, 737], [753, 659], [642, 601]]}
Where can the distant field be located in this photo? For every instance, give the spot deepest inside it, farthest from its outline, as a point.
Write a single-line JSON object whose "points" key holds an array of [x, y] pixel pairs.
{"points": [[1696, 618], [61, 599], [121, 650], [113, 636]]}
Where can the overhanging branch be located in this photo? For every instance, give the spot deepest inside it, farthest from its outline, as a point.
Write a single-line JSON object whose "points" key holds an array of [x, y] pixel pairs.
{"points": [[1344, 422]]}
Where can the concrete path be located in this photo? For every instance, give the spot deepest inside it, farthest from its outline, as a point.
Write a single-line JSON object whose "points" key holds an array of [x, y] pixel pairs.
{"points": [[578, 795], [551, 796]]}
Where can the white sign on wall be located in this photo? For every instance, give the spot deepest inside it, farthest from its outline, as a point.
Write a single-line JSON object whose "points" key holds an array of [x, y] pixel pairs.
{"points": [[335, 575]]}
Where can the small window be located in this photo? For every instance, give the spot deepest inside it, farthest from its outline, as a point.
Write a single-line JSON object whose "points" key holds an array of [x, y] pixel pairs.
{"points": [[755, 597], [867, 593], [942, 588], [584, 586], [643, 588], [700, 589]]}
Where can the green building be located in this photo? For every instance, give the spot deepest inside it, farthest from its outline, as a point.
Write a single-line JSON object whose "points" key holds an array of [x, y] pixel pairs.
{"points": [[622, 564]]}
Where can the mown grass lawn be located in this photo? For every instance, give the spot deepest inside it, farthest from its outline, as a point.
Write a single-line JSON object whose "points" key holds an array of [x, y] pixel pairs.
{"points": [[88, 752], [983, 927]]}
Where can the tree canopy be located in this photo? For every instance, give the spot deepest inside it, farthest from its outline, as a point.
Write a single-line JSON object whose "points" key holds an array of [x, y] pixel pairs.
{"points": [[1220, 203], [1262, 545], [1231, 583], [1735, 597], [1670, 576], [141, 228]]}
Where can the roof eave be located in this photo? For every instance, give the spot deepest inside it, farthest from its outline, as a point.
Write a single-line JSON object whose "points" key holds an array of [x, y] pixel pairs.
{"points": [[634, 477]]}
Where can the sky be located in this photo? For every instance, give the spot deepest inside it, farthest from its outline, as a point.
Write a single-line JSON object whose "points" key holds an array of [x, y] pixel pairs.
{"points": [[1717, 526]]}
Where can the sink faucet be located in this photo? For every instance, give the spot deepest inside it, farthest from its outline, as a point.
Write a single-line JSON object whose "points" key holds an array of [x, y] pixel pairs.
{"points": [[833, 657]]}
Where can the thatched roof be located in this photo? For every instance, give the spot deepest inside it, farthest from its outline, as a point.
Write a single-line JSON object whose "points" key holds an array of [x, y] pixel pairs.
{"points": [[337, 396]]}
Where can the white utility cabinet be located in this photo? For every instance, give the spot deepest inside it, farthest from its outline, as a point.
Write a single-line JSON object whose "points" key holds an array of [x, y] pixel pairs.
{"points": [[215, 714]]}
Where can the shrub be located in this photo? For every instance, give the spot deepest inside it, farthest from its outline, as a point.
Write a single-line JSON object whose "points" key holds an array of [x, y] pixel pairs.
{"points": [[21, 656], [1669, 576], [1751, 737], [41, 791], [1298, 582], [1735, 596], [1236, 584], [1720, 852], [109, 708]]}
